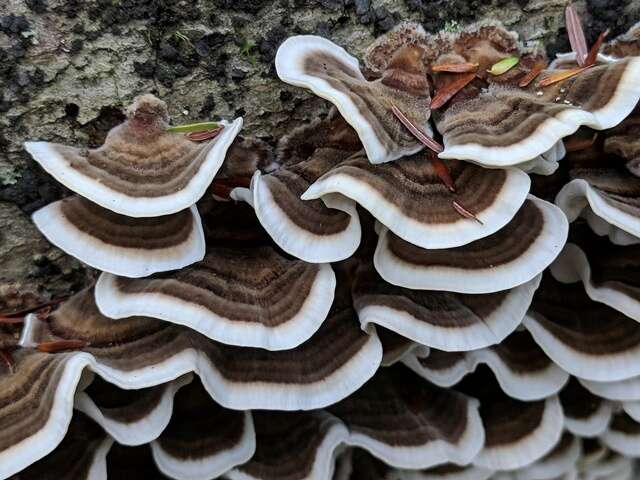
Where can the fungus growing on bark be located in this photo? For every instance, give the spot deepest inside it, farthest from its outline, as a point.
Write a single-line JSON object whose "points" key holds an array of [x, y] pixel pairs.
{"points": [[561, 460], [202, 439], [130, 417], [283, 350], [81, 455], [314, 231], [142, 170], [532, 431], [250, 296], [607, 271], [608, 199], [521, 368], [585, 414], [330, 72], [568, 326], [510, 257], [443, 320], [478, 130], [623, 435], [395, 195], [132, 247]]}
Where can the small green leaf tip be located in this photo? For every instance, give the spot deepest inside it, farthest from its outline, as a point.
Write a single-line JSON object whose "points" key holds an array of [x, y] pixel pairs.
{"points": [[193, 127], [503, 65]]}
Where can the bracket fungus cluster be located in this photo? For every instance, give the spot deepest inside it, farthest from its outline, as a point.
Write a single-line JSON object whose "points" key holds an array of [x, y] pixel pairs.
{"points": [[438, 280]]}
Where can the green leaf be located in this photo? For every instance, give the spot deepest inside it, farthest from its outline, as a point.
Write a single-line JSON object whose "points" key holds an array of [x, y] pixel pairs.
{"points": [[503, 65], [193, 127]]}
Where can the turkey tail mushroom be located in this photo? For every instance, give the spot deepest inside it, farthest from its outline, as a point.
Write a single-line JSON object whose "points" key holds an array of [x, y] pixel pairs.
{"points": [[142, 170]]}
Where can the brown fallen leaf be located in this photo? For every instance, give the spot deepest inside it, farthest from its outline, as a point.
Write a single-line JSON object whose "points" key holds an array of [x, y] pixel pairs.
{"points": [[576, 34]]}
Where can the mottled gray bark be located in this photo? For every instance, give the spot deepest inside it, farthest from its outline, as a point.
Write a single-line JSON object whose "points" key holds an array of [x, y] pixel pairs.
{"points": [[67, 67]]}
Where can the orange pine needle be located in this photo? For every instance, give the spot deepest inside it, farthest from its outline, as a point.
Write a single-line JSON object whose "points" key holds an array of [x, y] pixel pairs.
{"points": [[576, 35], [455, 67], [560, 76], [61, 345], [465, 213], [444, 94], [531, 75], [593, 53], [416, 131], [443, 172]]}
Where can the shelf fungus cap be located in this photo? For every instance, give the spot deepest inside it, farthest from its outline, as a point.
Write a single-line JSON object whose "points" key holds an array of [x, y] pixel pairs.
{"points": [[408, 197], [568, 326], [627, 390], [585, 414], [131, 417], [408, 423], [497, 128], [35, 407], [443, 320], [533, 429], [558, 464], [203, 440], [609, 199], [623, 435], [122, 245], [449, 471], [141, 170], [246, 296], [293, 445], [140, 352], [607, 272], [330, 72], [315, 231], [522, 369], [510, 257], [80, 455]]}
